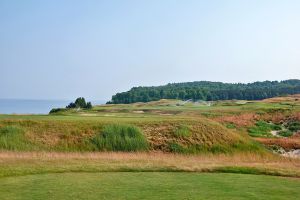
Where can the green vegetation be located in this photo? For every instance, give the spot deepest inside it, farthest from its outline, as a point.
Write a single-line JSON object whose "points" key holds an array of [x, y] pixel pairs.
{"points": [[167, 125], [80, 103], [285, 133], [208, 91], [294, 126], [230, 126], [182, 131], [150, 185], [96, 133], [216, 148], [57, 110], [263, 129], [12, 138], [124, 141], [119, 137]]}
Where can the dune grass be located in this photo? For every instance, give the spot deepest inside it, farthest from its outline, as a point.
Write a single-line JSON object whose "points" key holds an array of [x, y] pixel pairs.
{"points": [[183, 131], [196, 135], [120, 137], [12, 138]]}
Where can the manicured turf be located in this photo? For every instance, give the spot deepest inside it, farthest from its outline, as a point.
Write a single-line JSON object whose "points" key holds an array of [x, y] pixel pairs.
{"points": [[148, 185]]}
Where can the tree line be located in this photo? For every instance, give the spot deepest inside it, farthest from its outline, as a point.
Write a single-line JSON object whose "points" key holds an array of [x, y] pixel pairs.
{"points": [[208, 91]]}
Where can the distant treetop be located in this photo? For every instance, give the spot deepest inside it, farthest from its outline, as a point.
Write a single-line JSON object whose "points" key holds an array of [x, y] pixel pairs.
{"points": [[209, 91], [80, 103]]}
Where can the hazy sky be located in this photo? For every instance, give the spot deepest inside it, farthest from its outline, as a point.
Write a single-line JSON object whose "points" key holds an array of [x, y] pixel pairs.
{"points": [[60, 49]]}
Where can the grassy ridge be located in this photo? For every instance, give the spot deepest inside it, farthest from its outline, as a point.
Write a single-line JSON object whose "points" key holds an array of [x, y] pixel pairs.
{"points": [[167, 125], [201, 136]]}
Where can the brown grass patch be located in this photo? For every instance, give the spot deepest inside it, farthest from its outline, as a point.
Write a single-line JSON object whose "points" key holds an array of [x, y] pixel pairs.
{"points": [[12, 163], [286, 143], [240, 120], [295, 97]]}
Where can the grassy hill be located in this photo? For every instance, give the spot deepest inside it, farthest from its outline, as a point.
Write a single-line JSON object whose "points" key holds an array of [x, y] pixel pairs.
{"points": [[77, 133]]}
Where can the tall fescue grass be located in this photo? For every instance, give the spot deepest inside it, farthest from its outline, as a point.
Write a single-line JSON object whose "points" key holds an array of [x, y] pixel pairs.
{"points": [[12, 138], [217, 148], [120, 137], [182, 131]]}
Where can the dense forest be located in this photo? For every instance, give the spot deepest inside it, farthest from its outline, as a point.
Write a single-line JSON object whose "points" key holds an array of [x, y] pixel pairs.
{"points": [[208, 91]]}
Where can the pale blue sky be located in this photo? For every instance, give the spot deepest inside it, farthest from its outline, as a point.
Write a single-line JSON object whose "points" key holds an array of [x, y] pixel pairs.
{"points": [[60, 49]]}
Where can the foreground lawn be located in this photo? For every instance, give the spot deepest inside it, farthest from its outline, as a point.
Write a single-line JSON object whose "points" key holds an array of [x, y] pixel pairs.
{"points": [[148, 185]]}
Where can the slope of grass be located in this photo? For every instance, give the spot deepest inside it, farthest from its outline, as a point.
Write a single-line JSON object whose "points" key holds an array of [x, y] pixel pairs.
{"points": [[81, 133], [149, 185]]}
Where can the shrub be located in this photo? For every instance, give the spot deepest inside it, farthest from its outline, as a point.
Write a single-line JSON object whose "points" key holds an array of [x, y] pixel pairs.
{"points": [[182, 132], [285, 133], [119, 137], [294, 126], [56, 110], [88, 105], [80, 103]]}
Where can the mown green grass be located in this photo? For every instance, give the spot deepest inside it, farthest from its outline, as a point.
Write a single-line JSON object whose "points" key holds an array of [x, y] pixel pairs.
{"points": [[148, 185], [120, 137]]}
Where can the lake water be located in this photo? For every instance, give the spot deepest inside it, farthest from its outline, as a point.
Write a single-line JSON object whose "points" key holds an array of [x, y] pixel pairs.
{"points": [[20, 106]]}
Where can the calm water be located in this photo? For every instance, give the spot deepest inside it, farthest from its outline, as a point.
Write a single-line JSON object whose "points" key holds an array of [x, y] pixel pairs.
{"points": [[20, 106]]}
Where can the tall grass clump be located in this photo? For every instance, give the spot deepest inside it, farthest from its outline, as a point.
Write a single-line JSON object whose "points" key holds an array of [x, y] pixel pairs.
{"points": [[119, 137], [12, 138], [182, 131]]}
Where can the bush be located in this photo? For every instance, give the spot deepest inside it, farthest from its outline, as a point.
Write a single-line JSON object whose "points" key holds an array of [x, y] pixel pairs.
{"points": [[88, 105], [182, 132], [118, 137], [285, 133], [80, 103], [71, 105], [294, 126], [56, 110]]}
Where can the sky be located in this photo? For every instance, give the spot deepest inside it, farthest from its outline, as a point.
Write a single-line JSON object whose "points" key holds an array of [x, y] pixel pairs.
{"points": [[62, 49]]}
